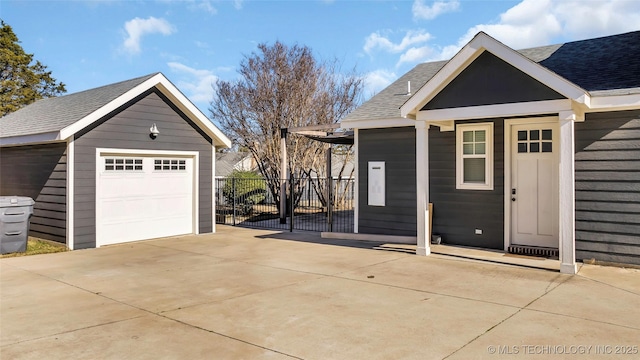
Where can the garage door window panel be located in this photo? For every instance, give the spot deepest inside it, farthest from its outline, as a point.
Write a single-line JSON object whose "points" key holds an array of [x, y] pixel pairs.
{"points": [[123, 164], [170, 165]]}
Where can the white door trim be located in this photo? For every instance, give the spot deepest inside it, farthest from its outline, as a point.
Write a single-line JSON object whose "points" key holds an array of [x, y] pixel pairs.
{"points": [[508, 123], [150, 153]]}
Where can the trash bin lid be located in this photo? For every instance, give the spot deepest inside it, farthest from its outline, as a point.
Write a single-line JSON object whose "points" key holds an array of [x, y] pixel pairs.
{"points": [[9, 201]]}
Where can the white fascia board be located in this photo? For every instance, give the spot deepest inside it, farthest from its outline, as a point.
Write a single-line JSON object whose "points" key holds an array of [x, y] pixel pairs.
{"points": [[536, 71], [33, 139], [480, 43], [614, 103], [377, 123], [451, 69], [501, 110], [113, 105], [184, 104], [169, 90]]}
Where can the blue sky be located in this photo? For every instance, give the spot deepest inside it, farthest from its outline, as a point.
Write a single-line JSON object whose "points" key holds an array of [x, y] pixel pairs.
{"points": [[91, 43]]}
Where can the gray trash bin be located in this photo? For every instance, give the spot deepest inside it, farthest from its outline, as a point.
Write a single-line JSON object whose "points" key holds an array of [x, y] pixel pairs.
{"points": [[15, 212]]}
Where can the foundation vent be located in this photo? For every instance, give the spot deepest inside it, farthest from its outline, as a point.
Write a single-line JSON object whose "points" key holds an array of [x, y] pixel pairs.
{"points": [[533, 251]]}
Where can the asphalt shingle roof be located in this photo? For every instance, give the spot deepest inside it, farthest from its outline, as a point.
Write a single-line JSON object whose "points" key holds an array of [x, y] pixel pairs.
{"points": [[56, 113], [602, 66], [226, 162]]}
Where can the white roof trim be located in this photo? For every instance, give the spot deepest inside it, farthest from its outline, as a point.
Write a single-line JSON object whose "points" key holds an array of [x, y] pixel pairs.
{"points": [[480, 43], [30, 139], [615, 103], [499, 110], [169, 90], [377, 123]]}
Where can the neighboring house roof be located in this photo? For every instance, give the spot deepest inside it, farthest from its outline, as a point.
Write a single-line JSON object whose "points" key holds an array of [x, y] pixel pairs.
{"points": [[229, 161], [349, 162], [57, 118], [603, 66]]}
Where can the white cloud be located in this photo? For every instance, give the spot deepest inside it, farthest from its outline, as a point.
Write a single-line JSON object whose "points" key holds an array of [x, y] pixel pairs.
{"points": [[238, 4], [195, 83], [137, 28], [415, 55], [412, 46], [540, 22], [422, 11], [204, 5], [377, 41], [377, 80]]}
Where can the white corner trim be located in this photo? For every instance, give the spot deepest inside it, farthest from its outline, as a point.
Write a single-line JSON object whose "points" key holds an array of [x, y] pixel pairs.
{"points": [[169, 90], [480, 43], [356, 197], [377, 123], [70, 223], [500, 110]]}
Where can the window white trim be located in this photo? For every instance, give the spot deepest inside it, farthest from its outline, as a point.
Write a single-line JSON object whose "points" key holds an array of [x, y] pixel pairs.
{"points": [[488, 156]]}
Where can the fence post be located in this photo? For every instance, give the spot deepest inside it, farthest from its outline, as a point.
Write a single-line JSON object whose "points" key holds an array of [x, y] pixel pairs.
{"points": [[291, 202], [330, 203], [233, 192]]}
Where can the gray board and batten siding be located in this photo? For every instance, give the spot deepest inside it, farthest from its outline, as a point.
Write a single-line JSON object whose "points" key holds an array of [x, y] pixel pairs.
{"points": [[456, 212], [397, 148], [39, 172], [490, 80], [607, 172], [128, 128]]}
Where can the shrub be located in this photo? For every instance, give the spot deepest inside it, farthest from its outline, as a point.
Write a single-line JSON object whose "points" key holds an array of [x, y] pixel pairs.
{"points": [[250, 188]]}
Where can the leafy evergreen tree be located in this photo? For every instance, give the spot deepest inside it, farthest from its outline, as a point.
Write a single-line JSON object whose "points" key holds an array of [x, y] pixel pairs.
{"points": [[22, 82]]}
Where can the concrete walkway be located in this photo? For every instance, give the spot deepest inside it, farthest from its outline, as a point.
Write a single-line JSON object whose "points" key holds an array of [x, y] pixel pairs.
{"points": [[252, 294]]}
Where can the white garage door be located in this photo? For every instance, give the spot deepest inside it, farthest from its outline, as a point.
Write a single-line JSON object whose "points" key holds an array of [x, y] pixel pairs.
{"points": [[143, 197]]}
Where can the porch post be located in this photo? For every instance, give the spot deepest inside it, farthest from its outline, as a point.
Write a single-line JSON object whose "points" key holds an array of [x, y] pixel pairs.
{"points": [[567, 193], [283, 175], [422, 187]]}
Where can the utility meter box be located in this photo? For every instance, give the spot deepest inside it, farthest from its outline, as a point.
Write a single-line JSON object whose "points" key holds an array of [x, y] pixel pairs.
{"points": [[15, 214]]}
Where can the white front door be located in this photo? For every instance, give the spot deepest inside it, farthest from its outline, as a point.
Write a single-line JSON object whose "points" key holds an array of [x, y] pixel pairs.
{"points": [[143, 197], [534, 184]]}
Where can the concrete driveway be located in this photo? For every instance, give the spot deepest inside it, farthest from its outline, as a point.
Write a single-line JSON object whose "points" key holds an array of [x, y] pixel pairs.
{"points": [[251, 294]]}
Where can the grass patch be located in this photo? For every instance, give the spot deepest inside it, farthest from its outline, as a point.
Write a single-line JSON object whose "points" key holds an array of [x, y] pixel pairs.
{"points": [[38, 246]]}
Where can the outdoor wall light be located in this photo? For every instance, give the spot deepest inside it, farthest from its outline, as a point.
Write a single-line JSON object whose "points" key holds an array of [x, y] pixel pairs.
{"points": [[154, 131]]}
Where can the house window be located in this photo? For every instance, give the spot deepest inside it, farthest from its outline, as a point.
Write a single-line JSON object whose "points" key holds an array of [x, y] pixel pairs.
{"points": [[474, 156], [533, 141], [122, 164], [169, 165]]}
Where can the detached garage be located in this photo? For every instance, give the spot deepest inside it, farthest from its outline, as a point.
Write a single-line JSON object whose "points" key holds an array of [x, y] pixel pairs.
{"points": [[124, 162]]}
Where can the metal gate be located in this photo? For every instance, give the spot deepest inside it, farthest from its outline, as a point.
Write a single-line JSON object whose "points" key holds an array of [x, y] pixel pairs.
{"points": [[249, 202]]}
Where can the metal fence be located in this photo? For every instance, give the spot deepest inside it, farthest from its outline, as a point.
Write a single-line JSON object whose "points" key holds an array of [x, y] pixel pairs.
{"points": [[249, 202]]}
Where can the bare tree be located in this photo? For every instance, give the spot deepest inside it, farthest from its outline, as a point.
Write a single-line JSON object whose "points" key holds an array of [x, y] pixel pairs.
{"points": [[282, 87]]}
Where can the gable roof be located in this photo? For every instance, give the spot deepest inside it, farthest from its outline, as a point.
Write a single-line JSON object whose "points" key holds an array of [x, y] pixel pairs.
{"points": [[594, 67], [58, 118]]}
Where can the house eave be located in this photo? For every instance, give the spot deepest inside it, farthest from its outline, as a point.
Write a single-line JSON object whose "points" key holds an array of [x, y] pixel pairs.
{"points": [[32, 139], [377, 123], [614, 103], [495, 111]]}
